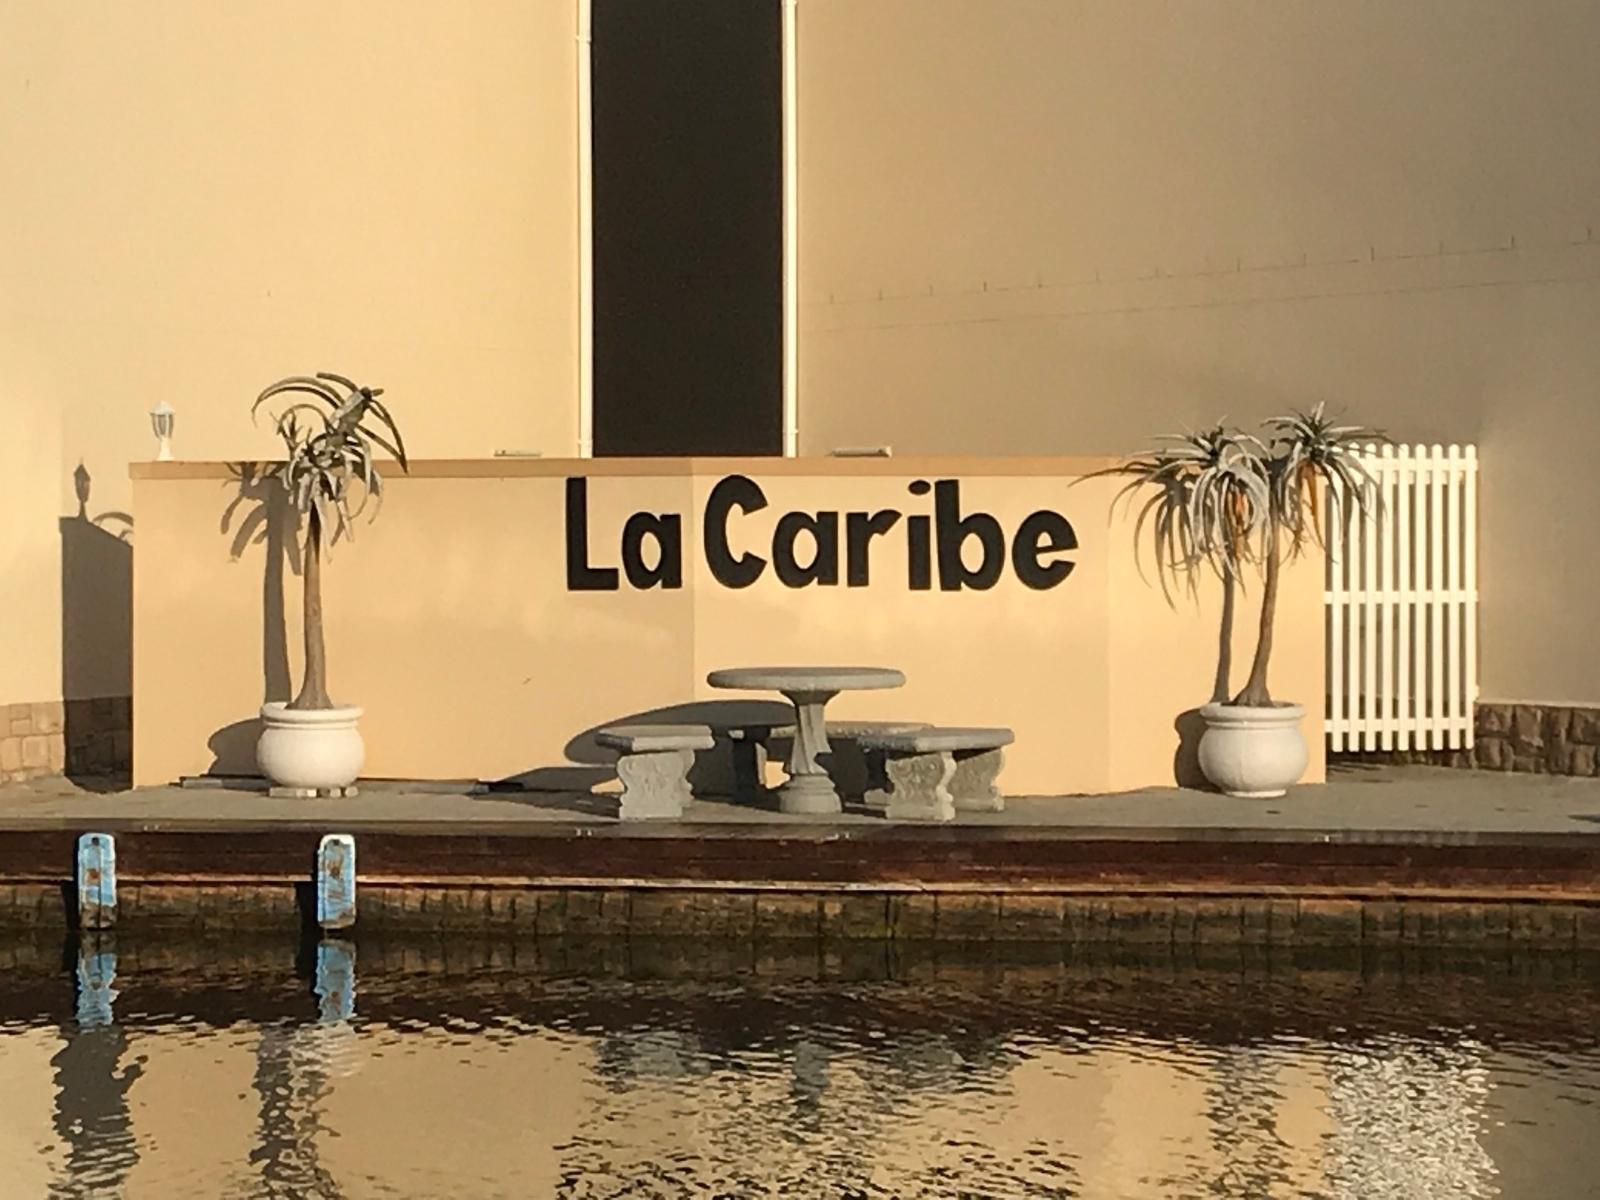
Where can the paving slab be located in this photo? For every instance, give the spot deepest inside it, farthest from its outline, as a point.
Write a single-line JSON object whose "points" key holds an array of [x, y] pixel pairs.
{"points": [[1357, 799]]}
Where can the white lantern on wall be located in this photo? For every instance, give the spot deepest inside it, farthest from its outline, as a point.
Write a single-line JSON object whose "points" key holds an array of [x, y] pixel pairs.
{"points": [[162, 420]]}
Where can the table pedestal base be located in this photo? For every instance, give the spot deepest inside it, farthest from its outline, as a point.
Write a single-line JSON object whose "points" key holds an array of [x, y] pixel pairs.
{"points": [[808, 789], [814, 795]]}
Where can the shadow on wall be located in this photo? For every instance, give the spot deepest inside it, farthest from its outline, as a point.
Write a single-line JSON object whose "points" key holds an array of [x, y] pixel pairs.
{"points": [[1186, 772], [96, 636], [1190, 725], [590, 764], [259, 514]]}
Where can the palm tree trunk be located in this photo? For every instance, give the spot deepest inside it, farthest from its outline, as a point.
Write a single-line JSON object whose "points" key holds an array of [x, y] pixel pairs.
{"points": [[1255, 694], [314, 692], [1220, 688]]}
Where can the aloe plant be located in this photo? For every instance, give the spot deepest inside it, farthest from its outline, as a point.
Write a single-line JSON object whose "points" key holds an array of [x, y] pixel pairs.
{"points": [[329, 440], [1229, 500], [1309, 455], [1210, 498]]}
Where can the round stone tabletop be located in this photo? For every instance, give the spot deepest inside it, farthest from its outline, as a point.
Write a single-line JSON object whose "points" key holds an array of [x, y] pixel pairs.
{"points": [[806, 679]]}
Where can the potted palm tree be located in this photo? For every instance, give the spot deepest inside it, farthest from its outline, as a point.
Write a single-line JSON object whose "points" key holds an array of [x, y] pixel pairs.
{"points": [[1231, 502], [310, 745]]}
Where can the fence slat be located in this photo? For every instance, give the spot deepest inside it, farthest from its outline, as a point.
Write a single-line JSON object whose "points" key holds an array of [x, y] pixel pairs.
{"points": [[1388, 715], [1422, 487], [1336, 618], [1401, 601], [1469, 585], [1452, 622], [1406, 588], [1369, 618], [1352, 667], [1436, 588]]}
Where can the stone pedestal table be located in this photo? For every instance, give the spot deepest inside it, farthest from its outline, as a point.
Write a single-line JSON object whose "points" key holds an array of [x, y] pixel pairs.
{"points": [[808, 789]]}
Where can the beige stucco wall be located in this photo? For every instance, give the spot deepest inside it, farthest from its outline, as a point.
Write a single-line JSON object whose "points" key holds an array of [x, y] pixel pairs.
{"points": [[451, 622], [1041, 226], [202, 197], [1027, 226]]}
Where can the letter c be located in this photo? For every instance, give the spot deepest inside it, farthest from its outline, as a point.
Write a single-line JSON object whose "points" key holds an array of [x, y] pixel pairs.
{"points": [[743, 493]]}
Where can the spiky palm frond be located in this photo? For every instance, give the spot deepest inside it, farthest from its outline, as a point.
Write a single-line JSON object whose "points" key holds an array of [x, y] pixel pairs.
{"points": [[1227, 499], [1210, 502], [1311, 452], [332, 448]]}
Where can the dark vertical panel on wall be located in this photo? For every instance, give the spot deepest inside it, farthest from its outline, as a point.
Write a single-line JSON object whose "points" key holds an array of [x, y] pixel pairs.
{"points": [[688, 233]]}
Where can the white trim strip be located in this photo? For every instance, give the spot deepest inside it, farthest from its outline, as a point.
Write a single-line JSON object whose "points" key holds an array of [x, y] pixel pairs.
{"points": [[791, 233], [585, 23]]}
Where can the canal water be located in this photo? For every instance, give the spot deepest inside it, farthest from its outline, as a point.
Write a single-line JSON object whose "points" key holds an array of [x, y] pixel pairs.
{"points": [[690, 1070]]}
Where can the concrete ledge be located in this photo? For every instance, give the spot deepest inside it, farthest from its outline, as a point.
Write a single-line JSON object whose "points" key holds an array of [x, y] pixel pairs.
{"points": [[828, 466]]}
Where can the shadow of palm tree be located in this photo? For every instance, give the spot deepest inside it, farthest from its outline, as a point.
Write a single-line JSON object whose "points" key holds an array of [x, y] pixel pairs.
{"points": [[259, 514]]}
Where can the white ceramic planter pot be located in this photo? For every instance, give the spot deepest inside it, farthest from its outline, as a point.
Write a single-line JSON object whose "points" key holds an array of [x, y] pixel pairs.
{"points": [[1253, 752], [313, 749]]}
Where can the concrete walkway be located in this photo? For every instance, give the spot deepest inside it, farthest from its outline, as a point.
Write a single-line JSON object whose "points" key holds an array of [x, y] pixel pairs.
{"points": [[1377, 800]]}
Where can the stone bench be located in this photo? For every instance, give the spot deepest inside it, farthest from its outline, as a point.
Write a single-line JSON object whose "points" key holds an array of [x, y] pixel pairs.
{"points": [[654, 766], [931, 774], [751, 744]]}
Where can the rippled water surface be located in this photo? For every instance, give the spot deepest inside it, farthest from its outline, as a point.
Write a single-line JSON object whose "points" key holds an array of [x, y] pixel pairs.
{"points": [[606, 1071]]}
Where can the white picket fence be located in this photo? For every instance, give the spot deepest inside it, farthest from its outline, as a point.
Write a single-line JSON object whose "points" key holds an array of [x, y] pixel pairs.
{"points": [[1402, 604]]}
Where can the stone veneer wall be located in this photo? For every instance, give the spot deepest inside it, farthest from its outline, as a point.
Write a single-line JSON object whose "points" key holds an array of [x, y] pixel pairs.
{"points": [[1551, 739], [75, 737]]}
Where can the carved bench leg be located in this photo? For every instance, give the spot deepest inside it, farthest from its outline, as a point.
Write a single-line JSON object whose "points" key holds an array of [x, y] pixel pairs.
{"points": [[916, 787], [974, 784], [654, 785], [875, 791]]}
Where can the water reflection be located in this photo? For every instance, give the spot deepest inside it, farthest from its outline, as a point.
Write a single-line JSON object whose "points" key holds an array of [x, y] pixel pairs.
{"points": [[92, 1083], [1408, 1118], [295, 1062], [290, 1087], [1242, 1103], [505, 1072]]}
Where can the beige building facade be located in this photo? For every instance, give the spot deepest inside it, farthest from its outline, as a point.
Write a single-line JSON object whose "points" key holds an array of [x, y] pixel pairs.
{"points": [[1024, 227]]}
